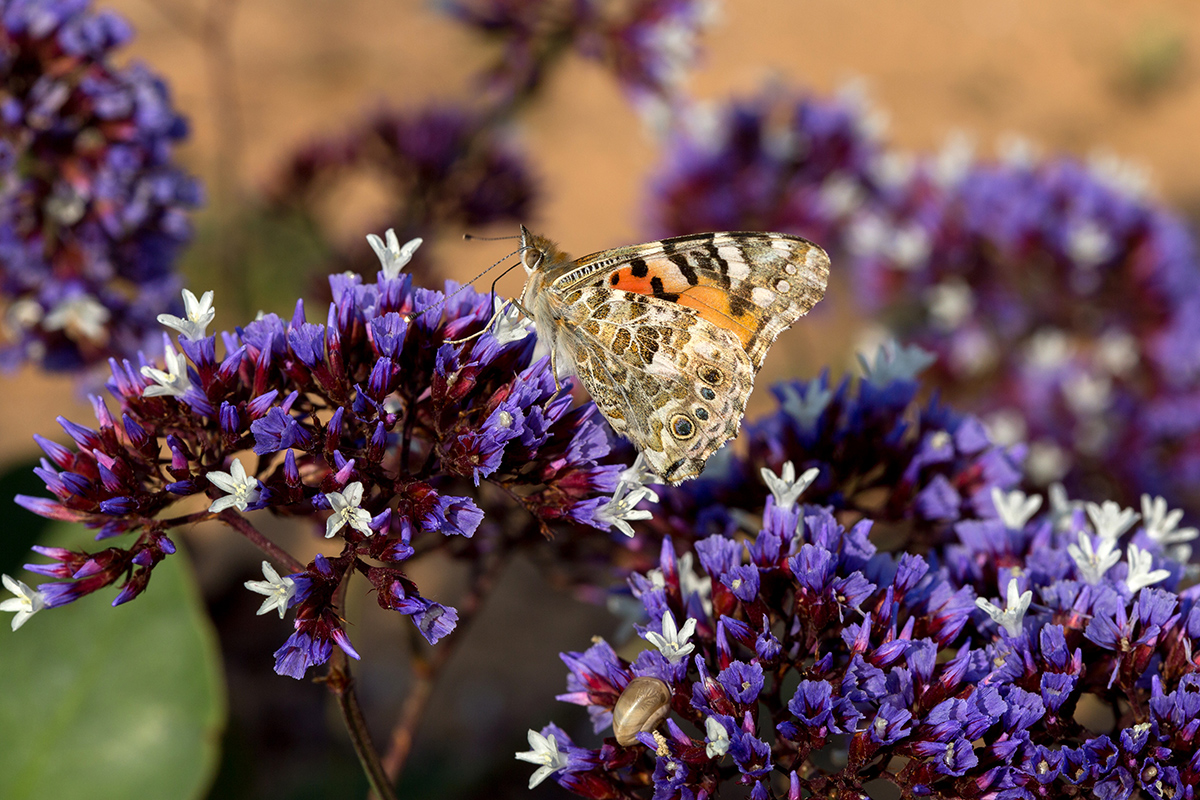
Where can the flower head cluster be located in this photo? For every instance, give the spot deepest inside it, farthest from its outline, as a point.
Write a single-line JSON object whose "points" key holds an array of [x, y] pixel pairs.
{"points": [[649, 44], [773, 162], [442, 166], [820, 665], [1062, 304], [92, 207], [866, 446], [1067, 303], [377, 423]]}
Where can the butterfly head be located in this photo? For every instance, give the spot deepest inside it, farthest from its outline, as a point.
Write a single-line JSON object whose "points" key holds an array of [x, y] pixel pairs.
{"points": [[537, 251]]}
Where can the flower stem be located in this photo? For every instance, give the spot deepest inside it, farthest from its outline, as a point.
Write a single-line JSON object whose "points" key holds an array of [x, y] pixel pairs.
{"points": [[245, 528], [341, 684], [427, 670]]}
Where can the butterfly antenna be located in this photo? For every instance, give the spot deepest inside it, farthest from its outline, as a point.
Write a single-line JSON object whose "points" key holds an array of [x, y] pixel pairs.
{"points": [[468, 284], [470, 237]]}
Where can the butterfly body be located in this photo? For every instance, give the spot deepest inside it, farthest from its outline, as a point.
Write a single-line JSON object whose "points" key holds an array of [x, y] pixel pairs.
{"points": [[667, 336]]}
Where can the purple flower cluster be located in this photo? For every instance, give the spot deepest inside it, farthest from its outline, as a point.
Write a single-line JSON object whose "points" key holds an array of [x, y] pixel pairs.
{"points": [[649, 44], [92, 207], [1061, 303], [442, 166], [812, 663], [374, 422], [919, 468], [1067, 304]]}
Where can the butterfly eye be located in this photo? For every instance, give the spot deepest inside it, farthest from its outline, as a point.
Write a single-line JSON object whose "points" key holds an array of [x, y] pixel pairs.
{"points": [[682, 427], [712, 376], [707, 394]]}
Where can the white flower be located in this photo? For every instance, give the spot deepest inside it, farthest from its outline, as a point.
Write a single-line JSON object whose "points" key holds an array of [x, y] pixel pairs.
{"points": [[346, 511], [717, 738], [81, 316], [1010, 617], [673, 642], [392, 256], [805, 406], [1062, 508], [895, 362], [1088, 243], [1046, 462], [241, 489], [1014, 508], [278, 590], [909, 247], [172, 383], [950, 303], [26, 603], [621, 509], [510, 325], [637, 474], [692, 584], [198, 315], [1110, 520], [1140, 575], [544, 752], [1092, 562], [785, 487], [1161, 525]]}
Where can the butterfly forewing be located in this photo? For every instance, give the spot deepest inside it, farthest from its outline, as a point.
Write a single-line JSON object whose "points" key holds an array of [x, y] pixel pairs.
{"points": [[753, 284]]}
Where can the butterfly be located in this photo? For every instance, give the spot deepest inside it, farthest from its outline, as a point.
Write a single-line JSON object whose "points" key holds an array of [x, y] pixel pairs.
{"points": [[667, 336]]}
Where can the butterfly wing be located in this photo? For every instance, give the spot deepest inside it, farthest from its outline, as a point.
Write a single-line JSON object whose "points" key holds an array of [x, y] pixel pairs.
{"points": [[667, 336], [666, 378], [754, 285]]}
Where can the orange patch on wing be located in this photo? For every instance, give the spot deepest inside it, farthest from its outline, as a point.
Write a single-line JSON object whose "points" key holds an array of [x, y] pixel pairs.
{"points": [[712, 303]]}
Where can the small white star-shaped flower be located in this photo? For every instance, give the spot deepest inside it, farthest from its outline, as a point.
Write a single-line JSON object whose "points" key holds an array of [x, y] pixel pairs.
{"points": [[1162, 525], [81, 316], [197, 316], [717, 738], [172, 383], [785, 486], [621, 509], [240, 489], [346, 511], [805, 406], [1062, 508], [510, 325], [1094, 562], [1010, 617], [894, 362], [392, 256], [1014, 508], [673, 642], [545, 753], [1140, 573], [278, 590], [27, 602], [1110, 520]]}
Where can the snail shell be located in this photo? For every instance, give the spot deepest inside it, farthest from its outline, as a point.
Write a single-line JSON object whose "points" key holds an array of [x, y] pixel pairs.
{"points": [[641, 707]]}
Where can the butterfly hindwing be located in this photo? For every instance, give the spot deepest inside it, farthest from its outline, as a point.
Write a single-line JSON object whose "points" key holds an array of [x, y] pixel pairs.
{"points": [[663, 376]]}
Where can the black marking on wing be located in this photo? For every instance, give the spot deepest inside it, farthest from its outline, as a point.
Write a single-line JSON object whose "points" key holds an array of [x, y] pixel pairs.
{"points": [[638, 268], [656, 286]]}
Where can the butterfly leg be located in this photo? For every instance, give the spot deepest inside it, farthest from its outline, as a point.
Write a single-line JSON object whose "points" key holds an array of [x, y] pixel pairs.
{"points": [[484, 329]]}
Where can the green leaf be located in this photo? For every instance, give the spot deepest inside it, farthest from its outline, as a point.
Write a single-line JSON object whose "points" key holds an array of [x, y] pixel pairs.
{"points": [[101, 702]]}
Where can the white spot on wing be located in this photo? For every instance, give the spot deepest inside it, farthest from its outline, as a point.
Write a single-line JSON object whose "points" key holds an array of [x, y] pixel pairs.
{"points": [[762, 297], [738, 269]]}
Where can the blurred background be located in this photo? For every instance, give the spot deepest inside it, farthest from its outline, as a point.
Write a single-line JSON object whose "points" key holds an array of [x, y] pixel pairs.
{"points": [[283, 100]]}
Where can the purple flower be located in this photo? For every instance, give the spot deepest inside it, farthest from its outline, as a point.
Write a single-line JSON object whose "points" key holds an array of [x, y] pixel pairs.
{"points": [[94, 209], [381, 451]]}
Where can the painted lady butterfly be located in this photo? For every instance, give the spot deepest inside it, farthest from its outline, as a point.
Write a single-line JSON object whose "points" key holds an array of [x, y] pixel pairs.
{"points": [[667, 336]]}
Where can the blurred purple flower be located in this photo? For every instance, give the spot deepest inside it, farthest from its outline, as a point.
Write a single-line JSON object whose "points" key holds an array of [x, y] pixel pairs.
{"points": [[93, 210]]}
